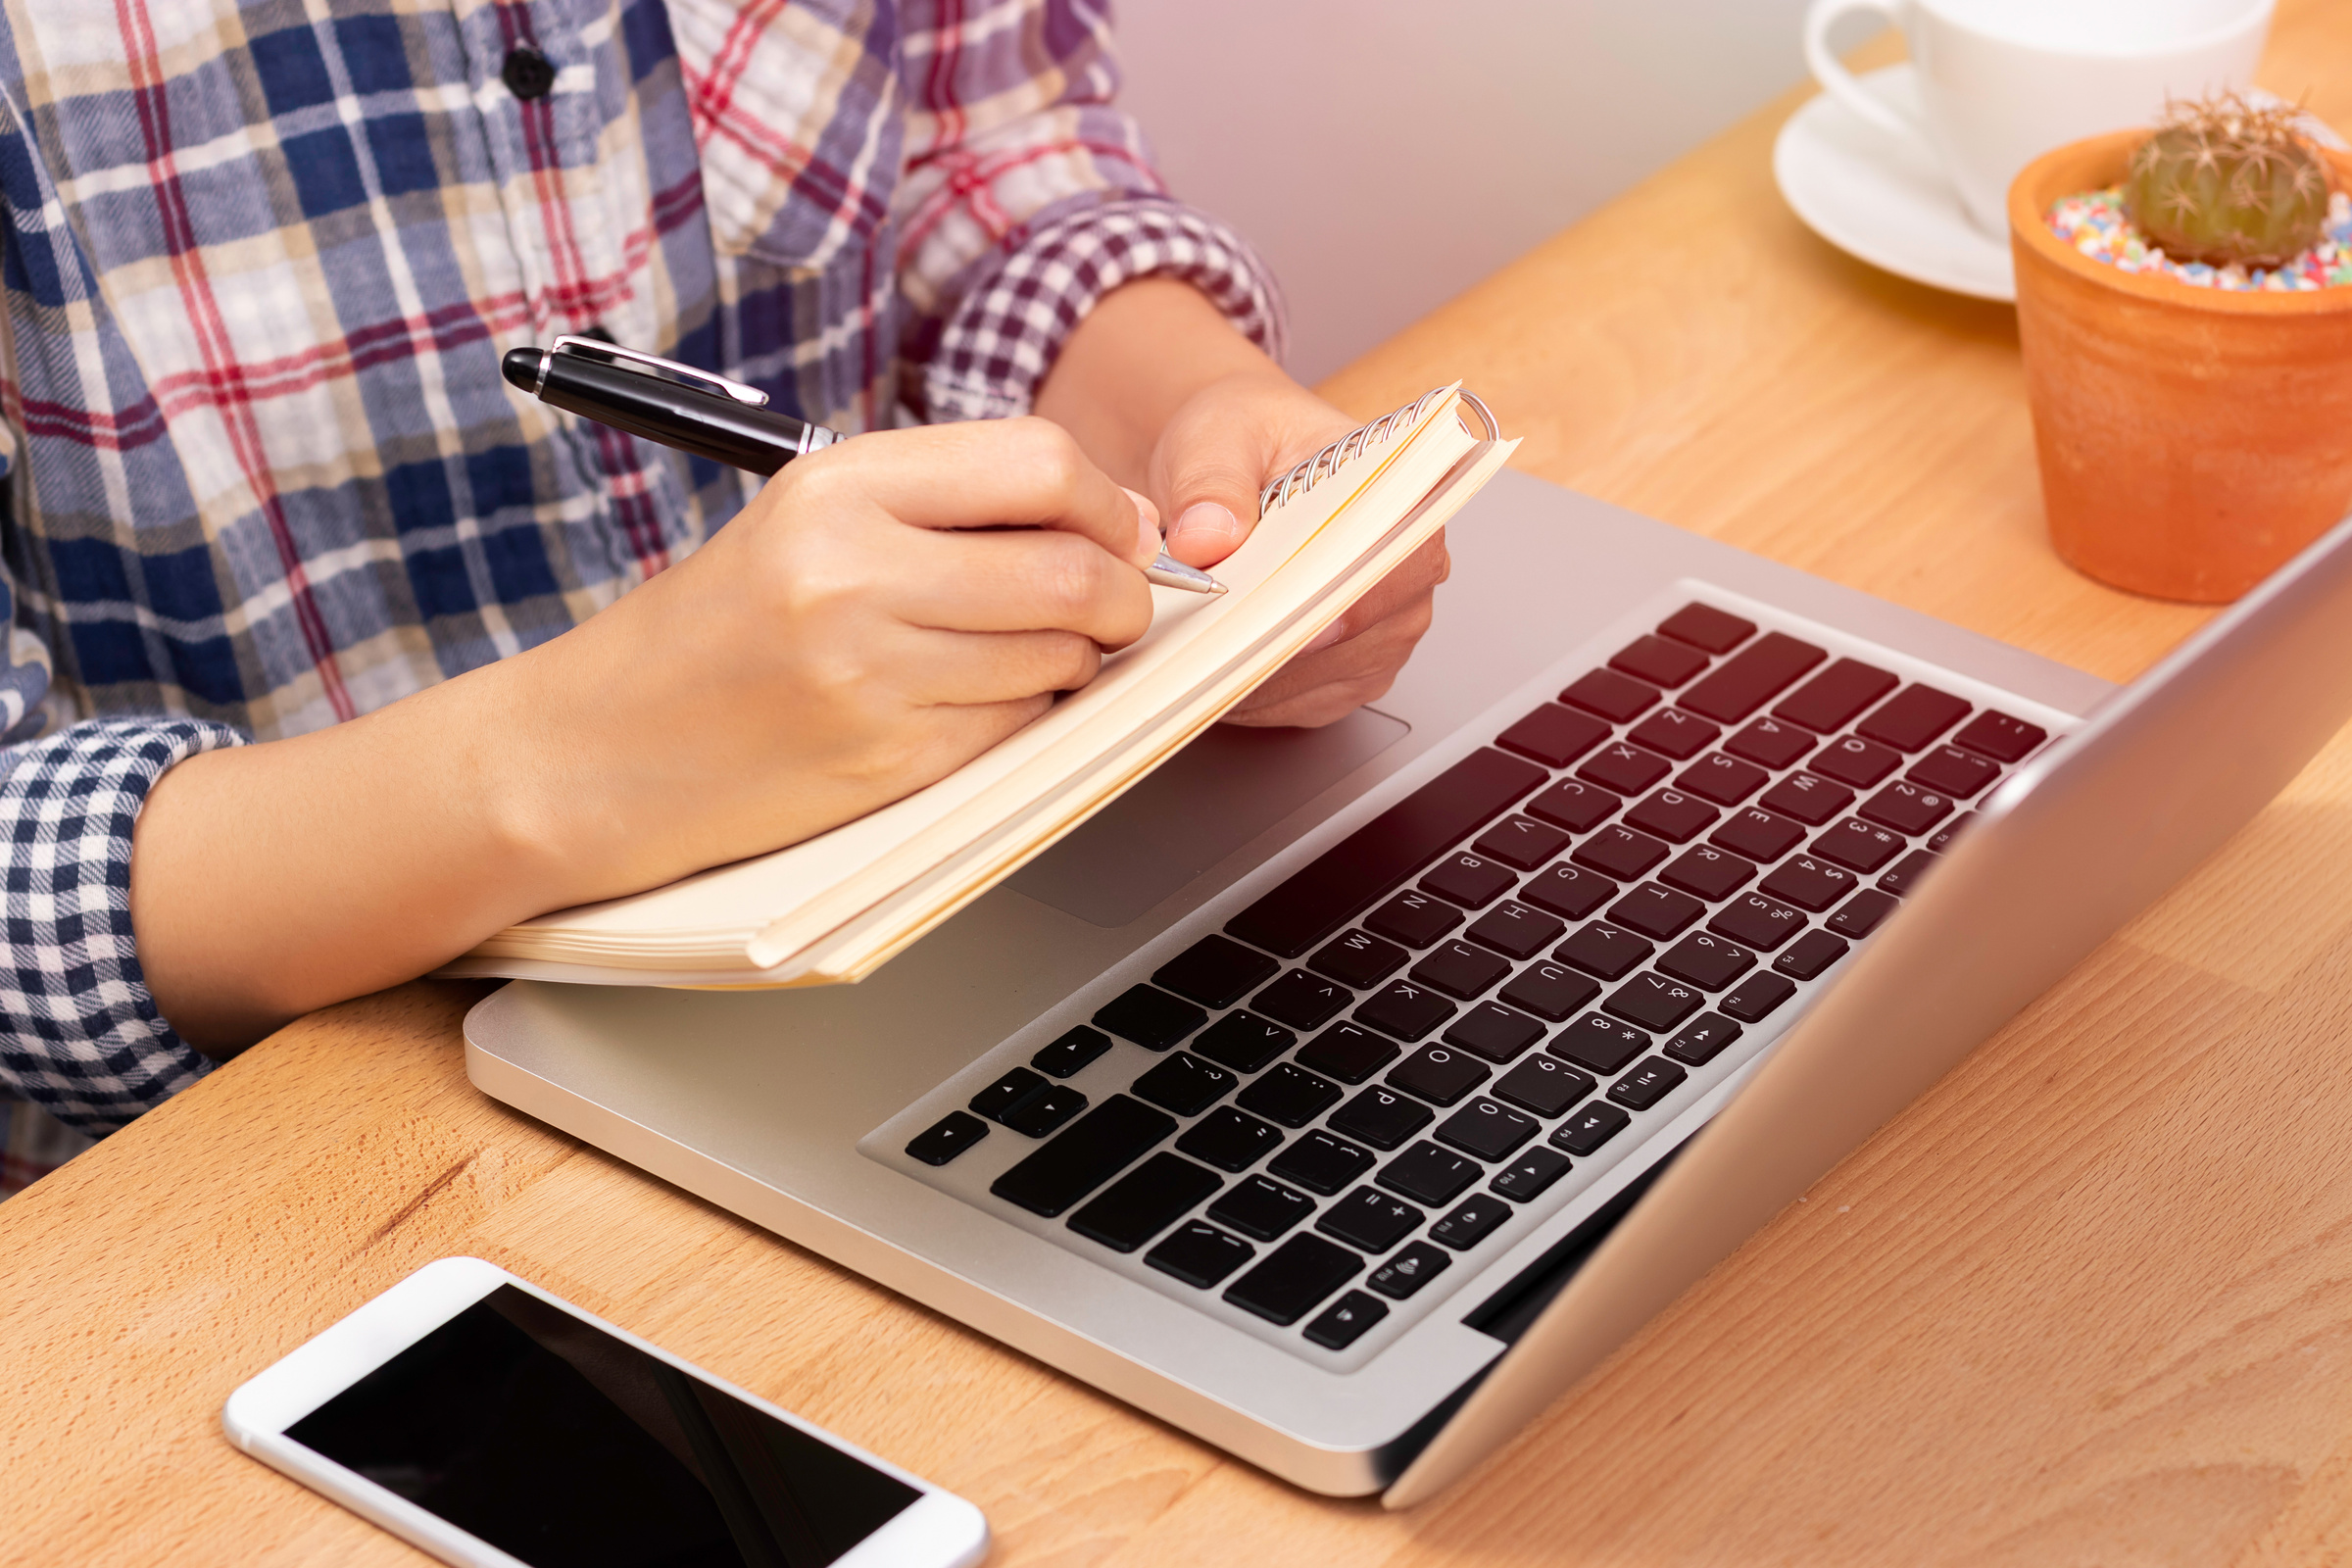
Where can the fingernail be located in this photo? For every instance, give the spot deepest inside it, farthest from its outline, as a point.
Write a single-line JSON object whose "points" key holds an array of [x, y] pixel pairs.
{"points": [[1148, 543], [1337, 632], [1205, 523]]}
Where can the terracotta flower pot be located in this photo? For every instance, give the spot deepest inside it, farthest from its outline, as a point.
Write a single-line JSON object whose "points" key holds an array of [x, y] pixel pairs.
{"points": [[2190, 439]]}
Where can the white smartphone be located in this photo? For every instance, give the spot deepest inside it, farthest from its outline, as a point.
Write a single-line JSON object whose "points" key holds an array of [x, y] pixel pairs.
{"points": [[495, 1426]]}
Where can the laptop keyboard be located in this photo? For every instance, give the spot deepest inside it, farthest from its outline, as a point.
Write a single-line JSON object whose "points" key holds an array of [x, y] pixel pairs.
{"points": [[1371, 1070]]}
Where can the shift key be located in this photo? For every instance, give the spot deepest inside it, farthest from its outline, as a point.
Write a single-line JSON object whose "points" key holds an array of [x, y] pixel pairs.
{"points": [[1750, 678], [1090, 1151]]}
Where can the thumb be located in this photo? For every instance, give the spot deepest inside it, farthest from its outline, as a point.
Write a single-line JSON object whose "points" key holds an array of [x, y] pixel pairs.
{"points": [[1212, 495]]}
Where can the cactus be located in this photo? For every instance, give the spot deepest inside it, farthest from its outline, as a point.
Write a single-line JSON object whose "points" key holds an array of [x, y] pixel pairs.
{"points": [[2223, 181]]}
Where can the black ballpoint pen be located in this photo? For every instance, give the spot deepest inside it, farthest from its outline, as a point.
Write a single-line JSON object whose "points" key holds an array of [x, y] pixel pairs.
{"points": [[689, 409]]}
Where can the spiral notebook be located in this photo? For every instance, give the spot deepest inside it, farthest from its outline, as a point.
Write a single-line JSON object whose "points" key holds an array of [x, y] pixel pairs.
{"points": [[837, 907]]}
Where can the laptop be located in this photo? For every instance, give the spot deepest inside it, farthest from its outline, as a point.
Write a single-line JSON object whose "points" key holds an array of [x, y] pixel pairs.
{"points": [[1343, 1096]]}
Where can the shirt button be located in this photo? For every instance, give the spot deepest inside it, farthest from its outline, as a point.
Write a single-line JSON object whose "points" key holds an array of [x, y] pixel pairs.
{"points": [[527, 73]]}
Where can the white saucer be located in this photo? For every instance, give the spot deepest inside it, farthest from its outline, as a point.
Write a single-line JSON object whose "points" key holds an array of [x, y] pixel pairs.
{"points": [[1881, 198]]}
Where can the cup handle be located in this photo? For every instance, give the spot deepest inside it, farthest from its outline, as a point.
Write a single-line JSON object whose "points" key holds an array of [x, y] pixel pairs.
{"points": [[1840, 83]]}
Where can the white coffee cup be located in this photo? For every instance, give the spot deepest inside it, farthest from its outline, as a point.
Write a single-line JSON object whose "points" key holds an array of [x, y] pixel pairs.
{"points": [[2003, 81]]}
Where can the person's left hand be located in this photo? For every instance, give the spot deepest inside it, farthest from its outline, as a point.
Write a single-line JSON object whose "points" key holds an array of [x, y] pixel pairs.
{"points": [[1212, 456]]}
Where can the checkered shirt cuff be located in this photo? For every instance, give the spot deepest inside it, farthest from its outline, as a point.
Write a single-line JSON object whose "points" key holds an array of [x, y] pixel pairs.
{"points": [[79, 1035], [1004, 334]]}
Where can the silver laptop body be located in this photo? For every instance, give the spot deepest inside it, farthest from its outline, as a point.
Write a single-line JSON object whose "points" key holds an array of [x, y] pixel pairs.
{"points": [[1419, 1349]]}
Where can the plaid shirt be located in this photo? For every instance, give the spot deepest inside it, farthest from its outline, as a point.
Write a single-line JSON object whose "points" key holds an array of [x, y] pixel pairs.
{"points": [[261, 471]]}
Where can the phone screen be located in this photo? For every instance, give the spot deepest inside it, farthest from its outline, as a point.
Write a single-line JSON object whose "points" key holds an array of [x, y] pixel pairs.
{"points": [[555, 1442]]}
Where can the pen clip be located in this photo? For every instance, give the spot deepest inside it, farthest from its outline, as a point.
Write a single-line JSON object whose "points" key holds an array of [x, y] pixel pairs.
{"points": [[598, 347]]}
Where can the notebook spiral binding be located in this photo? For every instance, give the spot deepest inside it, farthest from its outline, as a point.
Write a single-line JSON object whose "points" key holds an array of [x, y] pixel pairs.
{"points": [[1306, 475]]}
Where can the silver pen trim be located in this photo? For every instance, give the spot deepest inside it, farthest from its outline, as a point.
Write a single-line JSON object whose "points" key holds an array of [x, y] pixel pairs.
{"points": [[1169, 572]]}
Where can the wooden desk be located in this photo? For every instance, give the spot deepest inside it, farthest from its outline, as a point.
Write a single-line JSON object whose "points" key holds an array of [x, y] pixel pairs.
{"points": [[2090, 1301]]}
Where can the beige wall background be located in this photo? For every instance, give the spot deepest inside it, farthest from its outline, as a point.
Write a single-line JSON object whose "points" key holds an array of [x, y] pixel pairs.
{"points": [[1385, 155]]}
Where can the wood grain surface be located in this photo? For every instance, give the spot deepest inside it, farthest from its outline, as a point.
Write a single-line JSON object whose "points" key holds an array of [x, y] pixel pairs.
{"points": [[2087, 1302]]}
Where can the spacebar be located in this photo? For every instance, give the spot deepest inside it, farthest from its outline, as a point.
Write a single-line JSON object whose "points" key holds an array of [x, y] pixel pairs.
{"points": [[1321, 898]]}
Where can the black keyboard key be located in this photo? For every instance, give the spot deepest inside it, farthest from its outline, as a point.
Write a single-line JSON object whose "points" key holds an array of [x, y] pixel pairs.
{"points": [[1543, 1085], [1951, 830], [1906, 808], [1045, 1111], [1758, 834], [1856, 761], [1659, 660], [1605, 951], [1859, 915], [948, 1137], [1288, 1095], [1704, 626], [1627, 770], [1614, 697], [1654, 1002], [1469, 880], [1428, 1174], [1347, 1052], [1321, 1163], [1725, 780], [1672, 815], [1521, 842], [1472, 1223], [1153, 1019], [1494, 1032], [1199, 1255], [1072, 1053], [1302, 1001], [1293, 1277], [1829, 699], [1772, 742], [1751, 677], [1655, 912], [1460, 969], [1358, 958], [1674, 733], [1703, 1039], [1090, 1151], [1916, 715], [1600, 1044], [1648, 1083], [1707, 961], [1903, 879], [1317, 899], [1243, 1042], [1619, 852], [2000, 737], [1229, 1139], [1859, 846], [1575, 805], [1807, 796], [1215, 971], [1005, 1092], [1569, 891], [1345, 1321], [1405, 1010], [1412, 1267], [1757, 995], [1549, 991], [1413, 918], [1144, 1201], [1590, 1128], [1531, 1175], [1371, 1220], [1758, 921], [1439, 1074], [1810, 955], [1516, 931], [1953, 771], [1554, 735], [1382, 1117], [1260, 1209], [1486, 1129], [1183, 1084], [1807, 882], [1709, 872]]}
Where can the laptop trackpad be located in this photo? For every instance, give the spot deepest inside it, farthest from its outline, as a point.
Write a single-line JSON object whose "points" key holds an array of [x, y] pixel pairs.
{"points": [[1202, 804]]}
